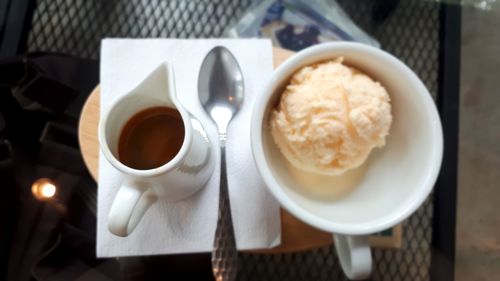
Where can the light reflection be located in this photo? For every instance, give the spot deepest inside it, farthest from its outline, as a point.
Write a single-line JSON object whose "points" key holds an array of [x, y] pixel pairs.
{"points": [[43, 189], [221, 115]]}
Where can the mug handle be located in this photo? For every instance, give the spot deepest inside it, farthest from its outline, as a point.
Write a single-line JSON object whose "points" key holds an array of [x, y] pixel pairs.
{"points": [[355, 255], [131, 202]]}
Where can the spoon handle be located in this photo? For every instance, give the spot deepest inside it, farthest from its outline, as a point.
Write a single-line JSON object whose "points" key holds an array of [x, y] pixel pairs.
{"points": [[224, 254]]}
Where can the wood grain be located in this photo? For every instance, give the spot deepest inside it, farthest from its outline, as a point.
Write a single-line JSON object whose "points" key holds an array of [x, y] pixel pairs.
{"points": [[296, 235]]}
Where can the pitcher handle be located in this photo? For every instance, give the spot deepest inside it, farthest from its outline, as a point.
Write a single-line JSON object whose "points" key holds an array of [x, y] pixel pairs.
{"points": [[131, 203]]}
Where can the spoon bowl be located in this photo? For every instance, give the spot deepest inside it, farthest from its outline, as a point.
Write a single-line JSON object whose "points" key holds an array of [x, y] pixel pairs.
{"points": [[220, 86]]}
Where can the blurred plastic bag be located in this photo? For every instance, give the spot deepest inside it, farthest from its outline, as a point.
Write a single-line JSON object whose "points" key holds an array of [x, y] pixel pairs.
{"points": [[480, 4], [296, 24]]}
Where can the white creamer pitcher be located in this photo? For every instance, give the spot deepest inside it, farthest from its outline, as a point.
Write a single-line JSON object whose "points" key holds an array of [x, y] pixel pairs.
{"points": [[175, 180]]}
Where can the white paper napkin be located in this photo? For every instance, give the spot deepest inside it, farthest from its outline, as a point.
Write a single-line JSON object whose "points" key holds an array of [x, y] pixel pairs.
{"points": [[189, 226]]}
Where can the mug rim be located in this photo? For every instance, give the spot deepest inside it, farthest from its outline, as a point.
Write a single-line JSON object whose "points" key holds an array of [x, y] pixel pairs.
{"points": [[282, 73], [181, 154]]}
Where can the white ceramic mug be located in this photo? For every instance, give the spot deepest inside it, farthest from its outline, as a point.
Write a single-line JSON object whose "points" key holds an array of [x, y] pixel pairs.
{"points": [[390, 186], [177, 179]]}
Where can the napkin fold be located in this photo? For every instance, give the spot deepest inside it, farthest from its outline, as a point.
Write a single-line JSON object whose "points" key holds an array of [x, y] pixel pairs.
{"points": [[189, 226]]}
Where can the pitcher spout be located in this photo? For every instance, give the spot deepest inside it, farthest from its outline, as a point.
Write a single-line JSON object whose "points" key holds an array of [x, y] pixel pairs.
{"points": [[159, 85]]}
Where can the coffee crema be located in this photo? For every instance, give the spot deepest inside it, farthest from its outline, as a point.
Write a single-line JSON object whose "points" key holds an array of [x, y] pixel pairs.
{"points": [[151, 138]]}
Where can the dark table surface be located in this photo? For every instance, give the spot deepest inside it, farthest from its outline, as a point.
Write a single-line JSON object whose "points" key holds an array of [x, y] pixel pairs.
{"points": [[424, 34]]}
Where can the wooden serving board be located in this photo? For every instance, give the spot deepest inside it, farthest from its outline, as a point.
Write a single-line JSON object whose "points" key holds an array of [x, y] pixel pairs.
{"points": [[296, 235]]}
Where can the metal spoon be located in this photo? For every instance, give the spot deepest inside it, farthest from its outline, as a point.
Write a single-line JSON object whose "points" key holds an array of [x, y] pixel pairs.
{"points": [[220, 88]]}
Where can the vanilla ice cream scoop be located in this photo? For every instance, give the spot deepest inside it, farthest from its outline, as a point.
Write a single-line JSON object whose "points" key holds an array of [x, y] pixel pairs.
{"points": [[330, 117]]}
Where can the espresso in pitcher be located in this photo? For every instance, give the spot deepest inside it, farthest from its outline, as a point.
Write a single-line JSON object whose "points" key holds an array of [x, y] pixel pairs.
{"points": [[151, 138]]}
